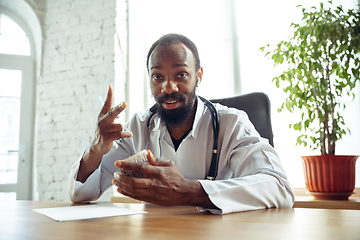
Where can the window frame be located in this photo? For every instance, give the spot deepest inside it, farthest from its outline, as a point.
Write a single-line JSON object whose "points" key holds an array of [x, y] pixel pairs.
{"points": [[26, 64]]}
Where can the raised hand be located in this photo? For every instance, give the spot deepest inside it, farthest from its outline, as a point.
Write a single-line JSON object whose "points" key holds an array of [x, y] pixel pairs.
{"points": [[106, 132]]}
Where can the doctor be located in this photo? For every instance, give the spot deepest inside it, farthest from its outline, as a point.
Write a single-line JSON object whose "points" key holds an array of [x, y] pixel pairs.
{"points": [[179, 138]]}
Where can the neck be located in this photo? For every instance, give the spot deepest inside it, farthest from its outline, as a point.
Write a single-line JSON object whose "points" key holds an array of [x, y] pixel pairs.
{"points": [[178, 131]]}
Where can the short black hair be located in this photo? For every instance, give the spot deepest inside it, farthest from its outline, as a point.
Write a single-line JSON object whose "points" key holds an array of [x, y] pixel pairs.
{"points": [[173, 38]]}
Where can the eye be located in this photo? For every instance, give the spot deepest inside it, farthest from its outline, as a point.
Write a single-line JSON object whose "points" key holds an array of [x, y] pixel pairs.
{"points": [[156, 77], [182, 75]]}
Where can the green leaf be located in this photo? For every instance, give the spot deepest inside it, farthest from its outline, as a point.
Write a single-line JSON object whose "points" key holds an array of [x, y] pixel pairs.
{"points": [[297, 126], [323, 65]]}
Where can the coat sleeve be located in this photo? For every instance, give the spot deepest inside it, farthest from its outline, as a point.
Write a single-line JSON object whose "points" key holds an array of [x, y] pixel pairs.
{"points": [[256, 180], [100, 180]]}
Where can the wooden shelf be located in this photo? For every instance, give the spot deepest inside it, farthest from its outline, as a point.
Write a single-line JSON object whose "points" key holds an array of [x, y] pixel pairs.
{"points": [[305, 200], [302, 200], [310, 202]]}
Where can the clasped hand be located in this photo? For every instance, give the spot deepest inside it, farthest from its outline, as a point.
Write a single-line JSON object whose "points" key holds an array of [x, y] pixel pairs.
{"points": [[162, 183]]}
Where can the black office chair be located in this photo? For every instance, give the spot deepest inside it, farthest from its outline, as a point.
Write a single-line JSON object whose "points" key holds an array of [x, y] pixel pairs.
{"points": [[257, 107]]}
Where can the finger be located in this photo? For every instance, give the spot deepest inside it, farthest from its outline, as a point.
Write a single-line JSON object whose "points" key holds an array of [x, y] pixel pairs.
{"points": [[109, 128], [132, 190], [114, 112], [108, 101], [157, 162], [137, 193], [113, 128], [146, 196], [133, 166], [117, 176], [145, 170], [122, 135], [116, 183], [126, 135], [151, 158], [128, 194], [116, 136], [124, 180]]}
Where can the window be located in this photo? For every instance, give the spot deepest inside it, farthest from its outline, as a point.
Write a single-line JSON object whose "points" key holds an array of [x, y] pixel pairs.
{"points": [[10, 93], [149, 20], [228, 35], [16, 111], [13, 39]]}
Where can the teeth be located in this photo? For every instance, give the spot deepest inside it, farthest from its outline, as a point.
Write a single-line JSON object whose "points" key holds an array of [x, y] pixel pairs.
{"points": [[171, 102]]}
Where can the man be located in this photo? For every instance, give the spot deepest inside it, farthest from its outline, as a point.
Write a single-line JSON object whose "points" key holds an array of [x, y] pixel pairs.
{"points": [[179, 138]]}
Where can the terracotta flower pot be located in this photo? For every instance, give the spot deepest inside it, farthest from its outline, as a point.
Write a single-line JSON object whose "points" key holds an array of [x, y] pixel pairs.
{"points": [[330, 177]]}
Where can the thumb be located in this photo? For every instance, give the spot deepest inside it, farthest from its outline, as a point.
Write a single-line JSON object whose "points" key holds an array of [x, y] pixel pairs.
{"points": [[157, 162]]}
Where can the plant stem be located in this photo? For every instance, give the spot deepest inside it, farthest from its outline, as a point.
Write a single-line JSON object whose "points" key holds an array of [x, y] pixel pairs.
{"points": [[323, 122], [331, 143]]}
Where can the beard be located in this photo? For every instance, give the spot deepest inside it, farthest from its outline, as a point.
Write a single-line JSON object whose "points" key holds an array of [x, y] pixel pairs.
{"points": [[176, 117]]}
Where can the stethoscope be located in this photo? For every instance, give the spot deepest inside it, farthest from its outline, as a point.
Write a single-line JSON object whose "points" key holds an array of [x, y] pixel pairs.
{"points": [[215, 123]]}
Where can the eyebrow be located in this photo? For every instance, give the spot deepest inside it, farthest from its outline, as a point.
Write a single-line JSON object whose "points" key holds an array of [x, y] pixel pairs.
{"points": [[155, 67], [173, 66], [180, 65]]}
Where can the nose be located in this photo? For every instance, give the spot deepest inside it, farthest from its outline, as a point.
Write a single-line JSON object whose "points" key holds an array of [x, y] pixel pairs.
{"points": [[169, 87]]}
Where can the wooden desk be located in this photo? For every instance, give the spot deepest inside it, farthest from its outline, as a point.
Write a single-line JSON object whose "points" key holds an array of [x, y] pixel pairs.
{"points": [[18, 221]]}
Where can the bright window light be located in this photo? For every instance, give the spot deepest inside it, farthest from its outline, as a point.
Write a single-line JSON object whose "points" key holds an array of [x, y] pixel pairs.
{"points": [[217, 26], [10, 92], [13, 39]]}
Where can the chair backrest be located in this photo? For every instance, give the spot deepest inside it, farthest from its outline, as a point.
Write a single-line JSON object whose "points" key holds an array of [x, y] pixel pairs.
{"points": [[257, 107]]}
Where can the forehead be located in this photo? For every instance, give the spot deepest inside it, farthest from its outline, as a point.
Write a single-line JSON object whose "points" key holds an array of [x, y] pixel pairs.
{"points": [[175, 54]]}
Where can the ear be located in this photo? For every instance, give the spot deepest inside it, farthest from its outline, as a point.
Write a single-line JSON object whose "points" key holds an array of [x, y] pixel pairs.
{"points": [[199, 75]]}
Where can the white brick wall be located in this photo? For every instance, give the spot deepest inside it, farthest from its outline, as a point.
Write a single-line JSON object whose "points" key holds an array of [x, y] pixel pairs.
{"points": [[78, 65]]}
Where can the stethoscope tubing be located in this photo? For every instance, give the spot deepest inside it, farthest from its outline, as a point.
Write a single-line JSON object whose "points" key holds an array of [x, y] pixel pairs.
{"points": [[216, 126]]}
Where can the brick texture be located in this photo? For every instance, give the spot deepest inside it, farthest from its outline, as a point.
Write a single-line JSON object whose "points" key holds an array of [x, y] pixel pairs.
{"points": [[78, 64]]}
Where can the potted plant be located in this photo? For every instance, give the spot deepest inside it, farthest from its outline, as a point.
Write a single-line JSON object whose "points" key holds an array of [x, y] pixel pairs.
{"points": [[323, 65]]}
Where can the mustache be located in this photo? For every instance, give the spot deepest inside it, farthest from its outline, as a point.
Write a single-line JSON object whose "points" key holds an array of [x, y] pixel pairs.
{"points": [[175, 96]]}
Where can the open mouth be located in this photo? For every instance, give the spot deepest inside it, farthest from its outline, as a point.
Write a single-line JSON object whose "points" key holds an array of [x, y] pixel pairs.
{"points": [[170, 104]]}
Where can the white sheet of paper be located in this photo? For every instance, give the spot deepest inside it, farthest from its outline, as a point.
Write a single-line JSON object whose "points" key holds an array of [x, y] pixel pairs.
{"points": [[85, 212]]}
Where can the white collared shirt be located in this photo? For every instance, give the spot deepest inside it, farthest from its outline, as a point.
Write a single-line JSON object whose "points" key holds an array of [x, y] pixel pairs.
{"points": [[250, 175]]}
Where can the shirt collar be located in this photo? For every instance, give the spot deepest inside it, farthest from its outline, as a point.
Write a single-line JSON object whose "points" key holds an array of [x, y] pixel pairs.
{"points": [[159, 125]]}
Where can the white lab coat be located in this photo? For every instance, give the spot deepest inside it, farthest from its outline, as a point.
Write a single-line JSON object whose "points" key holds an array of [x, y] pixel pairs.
{"points": [[250, 175]]}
